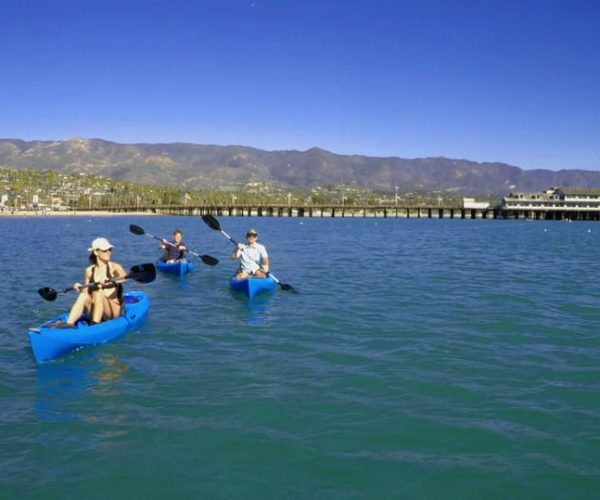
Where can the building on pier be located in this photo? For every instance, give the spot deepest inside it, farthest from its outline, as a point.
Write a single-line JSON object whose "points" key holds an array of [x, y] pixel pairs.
{"points": [[554, 204], [470, 203]]}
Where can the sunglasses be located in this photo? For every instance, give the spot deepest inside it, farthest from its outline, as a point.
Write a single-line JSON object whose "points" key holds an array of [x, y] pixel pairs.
{"points": [[107, 250]]}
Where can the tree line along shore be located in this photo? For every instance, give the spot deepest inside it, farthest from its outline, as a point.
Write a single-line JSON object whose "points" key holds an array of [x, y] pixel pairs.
{"points": [[29, 190]]}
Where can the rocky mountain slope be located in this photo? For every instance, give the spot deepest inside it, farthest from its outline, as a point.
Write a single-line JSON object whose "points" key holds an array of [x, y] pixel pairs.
{"points": [[193, 166]]}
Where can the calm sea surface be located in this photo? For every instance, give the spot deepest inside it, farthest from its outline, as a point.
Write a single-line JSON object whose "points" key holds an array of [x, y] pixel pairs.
{"points": [[421, 359]]}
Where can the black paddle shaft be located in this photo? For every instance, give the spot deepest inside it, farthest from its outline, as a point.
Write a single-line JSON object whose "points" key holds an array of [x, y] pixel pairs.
{"points": [[207, 259], [142, 273]]}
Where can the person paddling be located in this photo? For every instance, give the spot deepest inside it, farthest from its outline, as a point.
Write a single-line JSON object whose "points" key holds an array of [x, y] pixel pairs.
{"points": [[173, 250], [254, 260], [104, 300]]}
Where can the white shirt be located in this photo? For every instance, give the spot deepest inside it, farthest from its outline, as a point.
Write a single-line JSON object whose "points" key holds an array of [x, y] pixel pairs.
{"points": [[252, 256]]}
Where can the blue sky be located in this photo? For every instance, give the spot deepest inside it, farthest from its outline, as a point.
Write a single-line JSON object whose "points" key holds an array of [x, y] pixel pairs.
{"points": [[485, 80]]}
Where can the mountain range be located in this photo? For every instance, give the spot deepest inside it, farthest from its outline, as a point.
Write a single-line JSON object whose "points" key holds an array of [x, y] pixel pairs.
{"points": [[194, 166]]}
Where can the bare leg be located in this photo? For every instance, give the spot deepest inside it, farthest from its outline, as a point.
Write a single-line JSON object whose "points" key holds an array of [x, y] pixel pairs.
{"points": [[97, 306], [111, 308], [81, 303]]}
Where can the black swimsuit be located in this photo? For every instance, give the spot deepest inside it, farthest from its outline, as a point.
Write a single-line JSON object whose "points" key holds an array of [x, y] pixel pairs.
{"points": [[118, 289]]}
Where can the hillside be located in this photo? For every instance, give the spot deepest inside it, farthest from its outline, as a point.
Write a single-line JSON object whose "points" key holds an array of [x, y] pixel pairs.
{"points": [[193, 166]]}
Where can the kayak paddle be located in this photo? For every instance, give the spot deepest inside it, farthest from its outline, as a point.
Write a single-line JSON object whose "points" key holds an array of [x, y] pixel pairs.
{"points": [[213, 223], [207, 259], [142, 273]]}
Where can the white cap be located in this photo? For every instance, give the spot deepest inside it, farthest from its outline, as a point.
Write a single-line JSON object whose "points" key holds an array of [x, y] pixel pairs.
{"points": [[100, 244]]}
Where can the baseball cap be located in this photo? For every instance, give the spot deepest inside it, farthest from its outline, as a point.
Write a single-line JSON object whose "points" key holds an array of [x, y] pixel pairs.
{"points": [[100, 244]]}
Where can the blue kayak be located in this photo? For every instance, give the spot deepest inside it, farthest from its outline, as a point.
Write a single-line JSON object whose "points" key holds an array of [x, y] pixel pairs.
{"points": [[252, 286], [178, 268], [49, 343]]}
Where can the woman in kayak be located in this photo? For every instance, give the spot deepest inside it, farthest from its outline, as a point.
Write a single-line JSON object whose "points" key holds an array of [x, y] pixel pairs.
{"points": [[103, 301], [254, 260], [173, 249]]}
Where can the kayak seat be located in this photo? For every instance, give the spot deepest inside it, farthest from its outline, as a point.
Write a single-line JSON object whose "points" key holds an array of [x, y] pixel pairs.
{"points": [[128, 299]]}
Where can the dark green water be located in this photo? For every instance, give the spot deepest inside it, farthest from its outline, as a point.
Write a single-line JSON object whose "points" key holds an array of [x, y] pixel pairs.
{"points": [[421, 359]]}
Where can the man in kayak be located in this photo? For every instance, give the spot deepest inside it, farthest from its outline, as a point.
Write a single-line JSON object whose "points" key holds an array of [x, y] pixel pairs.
{"points": [[254, 260], [104, 299], [173, 250]]}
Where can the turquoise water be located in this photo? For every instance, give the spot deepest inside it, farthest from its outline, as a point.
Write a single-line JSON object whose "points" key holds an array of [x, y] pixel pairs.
{"points": [[421, 359]]}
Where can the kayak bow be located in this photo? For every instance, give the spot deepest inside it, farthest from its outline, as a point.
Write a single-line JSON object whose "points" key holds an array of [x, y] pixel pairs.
{"points": [[252, 286], [179, 268], [49, 343]]}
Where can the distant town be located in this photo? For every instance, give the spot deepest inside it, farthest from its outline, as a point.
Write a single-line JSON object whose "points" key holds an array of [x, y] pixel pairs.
{"points": [[29, 189], [35, 192]]}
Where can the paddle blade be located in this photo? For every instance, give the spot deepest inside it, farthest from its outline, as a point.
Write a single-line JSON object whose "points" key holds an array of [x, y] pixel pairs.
{"points": [[287, 288], [136, 229], [284, 286], [211, 222], [142, 273], [209, 260], [48, 293]]}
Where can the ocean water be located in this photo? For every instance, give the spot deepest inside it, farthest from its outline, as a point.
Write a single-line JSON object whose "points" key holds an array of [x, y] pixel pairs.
{"points": [[420, 359]]}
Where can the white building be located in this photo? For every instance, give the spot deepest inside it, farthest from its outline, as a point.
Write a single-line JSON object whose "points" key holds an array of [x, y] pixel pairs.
{"points": [[471, 203], [554, 203]]}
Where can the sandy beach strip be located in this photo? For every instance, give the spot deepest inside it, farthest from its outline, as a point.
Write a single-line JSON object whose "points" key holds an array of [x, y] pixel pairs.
{"points": [[76, 213]]}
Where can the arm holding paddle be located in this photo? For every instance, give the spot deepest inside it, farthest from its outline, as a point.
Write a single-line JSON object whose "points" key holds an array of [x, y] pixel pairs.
{"points": [[250, 256], [174, 250], [207, 259], [102, 291], [213, 223], [254, 260], [102, 301], [120, 276], [142, 273], [95, 299]]}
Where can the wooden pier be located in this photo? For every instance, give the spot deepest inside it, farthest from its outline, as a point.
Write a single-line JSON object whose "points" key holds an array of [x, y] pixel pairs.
{"points": [[406, 212], [362, 211]]}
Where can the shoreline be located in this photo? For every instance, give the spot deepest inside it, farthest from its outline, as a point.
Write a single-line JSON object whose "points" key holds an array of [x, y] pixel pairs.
{"points": [[78, 213], [359, 212]]}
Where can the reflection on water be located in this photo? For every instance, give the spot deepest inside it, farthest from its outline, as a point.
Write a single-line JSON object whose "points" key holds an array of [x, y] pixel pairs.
{"points": [[58, 384], [109, 369], [64, 387], [182, 281], [257, 307]]}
